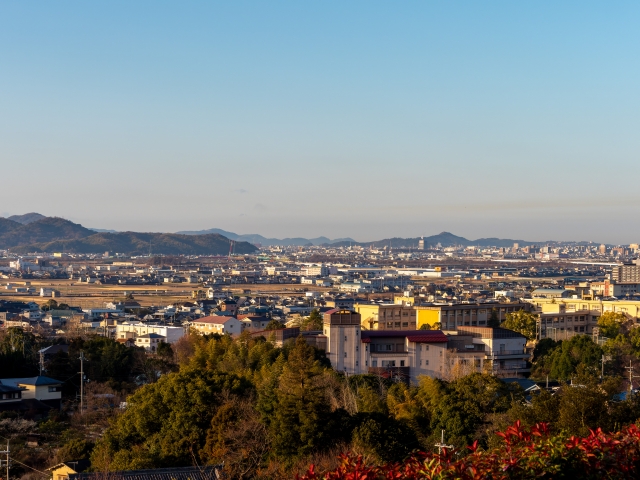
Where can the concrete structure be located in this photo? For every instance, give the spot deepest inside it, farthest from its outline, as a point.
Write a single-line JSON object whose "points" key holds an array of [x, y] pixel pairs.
{"points": [[386, 316], [497, 351], [596, 307], [402, 354], [626, 273], [452, 316]]}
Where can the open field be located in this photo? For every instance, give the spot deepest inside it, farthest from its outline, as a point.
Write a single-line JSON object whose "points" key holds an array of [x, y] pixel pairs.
{"points": [[95, 296]]}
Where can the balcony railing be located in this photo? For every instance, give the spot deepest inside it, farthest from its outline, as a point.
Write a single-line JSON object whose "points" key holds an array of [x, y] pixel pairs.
{"points": [[506, 352], [399, 352]]}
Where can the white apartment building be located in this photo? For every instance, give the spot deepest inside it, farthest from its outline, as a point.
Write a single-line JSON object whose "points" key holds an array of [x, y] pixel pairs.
{"points": [[134, 330]]}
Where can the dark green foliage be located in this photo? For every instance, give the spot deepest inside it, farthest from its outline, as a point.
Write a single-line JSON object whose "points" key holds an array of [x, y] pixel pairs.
{"points": [[561, 362], [462, 408], [18, 353], [166, 422], [313, 321], [383, 439], [493, 321], [274, 325], [298, 426]]}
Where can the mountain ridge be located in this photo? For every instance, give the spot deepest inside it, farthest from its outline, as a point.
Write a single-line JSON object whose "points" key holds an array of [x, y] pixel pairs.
{"points": [[53, 234], [259, 239]]}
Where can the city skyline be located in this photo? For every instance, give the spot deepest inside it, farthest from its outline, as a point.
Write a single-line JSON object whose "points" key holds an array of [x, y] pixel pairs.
{"points": [[364, 120]]}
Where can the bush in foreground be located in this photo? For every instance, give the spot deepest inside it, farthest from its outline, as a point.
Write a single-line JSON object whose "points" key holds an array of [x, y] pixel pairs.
{"points": [[525, 454]]}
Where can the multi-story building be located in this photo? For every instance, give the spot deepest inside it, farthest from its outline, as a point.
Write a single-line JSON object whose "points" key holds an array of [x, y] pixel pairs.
{"points": [[498, 351], [626, 273], [404, 354], [452, 316], [595, 307], [386, 316]]}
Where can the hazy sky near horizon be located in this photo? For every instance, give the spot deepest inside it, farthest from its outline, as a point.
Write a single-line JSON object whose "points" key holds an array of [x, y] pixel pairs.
{"points": [[365, 119]]}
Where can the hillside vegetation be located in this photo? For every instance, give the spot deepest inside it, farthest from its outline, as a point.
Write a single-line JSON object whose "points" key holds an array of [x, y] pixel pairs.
{"points": [[52, 234]]}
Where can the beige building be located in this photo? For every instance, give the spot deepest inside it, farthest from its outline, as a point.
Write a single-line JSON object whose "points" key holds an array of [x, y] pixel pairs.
{"points": [[218, 324], [452, 316], [498, 351], [386, 316], [631, 308]]}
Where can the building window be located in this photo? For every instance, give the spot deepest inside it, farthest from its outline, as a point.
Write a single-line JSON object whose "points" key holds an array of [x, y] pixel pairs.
{"points": [[345, 338], [426, 347], [345, 354], [366, 363], [357, 348], [420, 362], [374, 363], [356, 363], [366, 348], [402, 363], [426, 362]]}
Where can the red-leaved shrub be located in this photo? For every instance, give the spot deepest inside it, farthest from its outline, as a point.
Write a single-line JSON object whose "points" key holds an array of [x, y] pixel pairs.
{"points": [[526, 454]]}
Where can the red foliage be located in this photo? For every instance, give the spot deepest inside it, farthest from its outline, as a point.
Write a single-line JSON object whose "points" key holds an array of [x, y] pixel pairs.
{"points": [[526, 454]]}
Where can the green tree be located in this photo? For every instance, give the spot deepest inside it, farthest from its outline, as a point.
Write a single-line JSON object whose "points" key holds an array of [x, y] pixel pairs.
{"points": [[611, 323], [522, 322], [584, 402], [380, 438], [301, 412], [313, 321], [562, 362], [493, 321], [164, 350], [463, 405], [165, 423], [274, 325]]}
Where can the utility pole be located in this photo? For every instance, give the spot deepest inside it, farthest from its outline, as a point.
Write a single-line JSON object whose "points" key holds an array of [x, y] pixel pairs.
{"points": [[7, 460], [631, 376], [81, 381], [441, 444]]}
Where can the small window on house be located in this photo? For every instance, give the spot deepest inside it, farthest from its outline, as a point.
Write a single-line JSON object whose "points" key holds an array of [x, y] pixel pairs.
{"points": [[357, 348], [426, 362], [426, 347], [345, 338], [356, 363], [345, 354], [402, 363]]}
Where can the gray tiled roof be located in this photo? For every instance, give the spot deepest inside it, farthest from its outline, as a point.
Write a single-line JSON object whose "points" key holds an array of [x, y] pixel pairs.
{"points": [[179, 473]]}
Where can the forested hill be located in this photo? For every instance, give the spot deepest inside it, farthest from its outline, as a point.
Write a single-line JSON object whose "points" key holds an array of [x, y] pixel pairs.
{"points": [[444, 239], [52, 234]]}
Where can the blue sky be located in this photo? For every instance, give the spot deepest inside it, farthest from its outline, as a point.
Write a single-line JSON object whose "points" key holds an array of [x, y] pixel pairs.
{"points": [[363, 119]]}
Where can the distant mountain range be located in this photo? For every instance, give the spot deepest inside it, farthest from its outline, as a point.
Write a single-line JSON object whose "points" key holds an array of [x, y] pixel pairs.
{"points": [[444, 239], [36, 233], [259, 239]]}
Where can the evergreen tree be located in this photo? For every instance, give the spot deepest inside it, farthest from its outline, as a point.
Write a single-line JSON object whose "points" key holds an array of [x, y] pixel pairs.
{"points": [[301, 412]]}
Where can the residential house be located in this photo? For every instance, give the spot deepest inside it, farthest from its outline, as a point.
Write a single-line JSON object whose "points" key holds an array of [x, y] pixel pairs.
{"points": [[220, 324], [149, 341]]}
